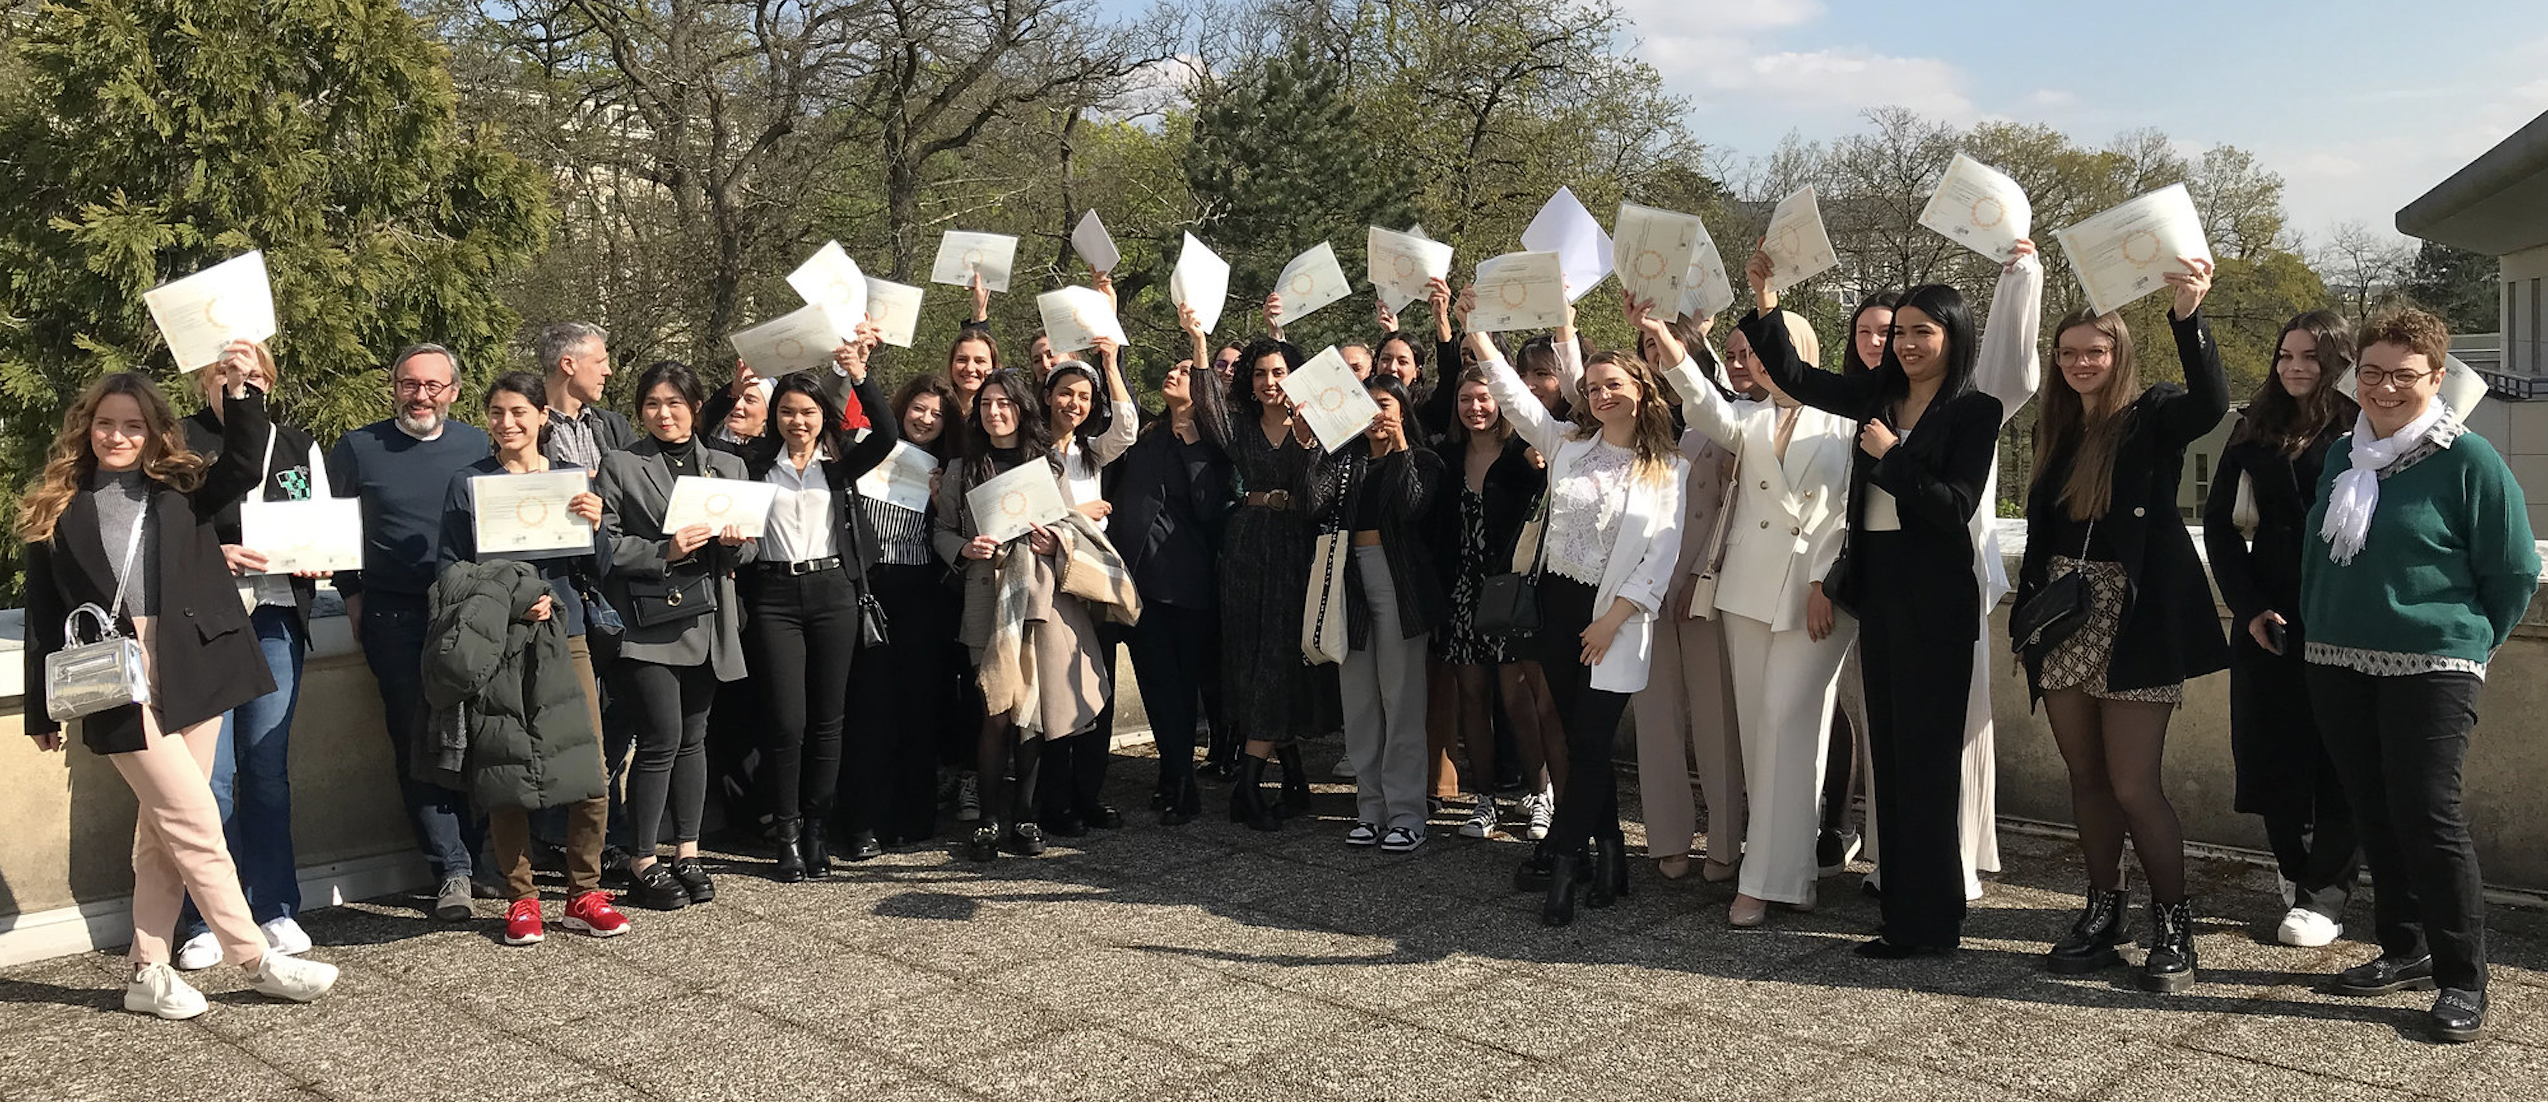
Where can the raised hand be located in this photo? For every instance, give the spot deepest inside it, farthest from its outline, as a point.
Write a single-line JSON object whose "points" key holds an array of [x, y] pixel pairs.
{"points": [[1438, 293], [2191, 285], [1274, 315], [2025, 247], [1387, 317], [981, 299], [1757, 272]]}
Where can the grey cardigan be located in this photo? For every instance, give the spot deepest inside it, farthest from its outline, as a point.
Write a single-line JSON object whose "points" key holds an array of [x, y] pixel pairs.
{"points": [[636, 487]]}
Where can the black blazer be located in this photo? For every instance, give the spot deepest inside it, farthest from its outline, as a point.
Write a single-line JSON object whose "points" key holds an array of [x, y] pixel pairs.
{"points": [[1512, 492], [1936, 477], [2266, 575], [854, 535], [1169, 499], [205, 659], [289, 479], [2169, 632], [1406, 482]]}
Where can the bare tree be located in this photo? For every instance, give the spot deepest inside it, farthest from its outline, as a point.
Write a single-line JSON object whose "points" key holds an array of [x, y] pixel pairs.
{"points": [[2363, 268]]}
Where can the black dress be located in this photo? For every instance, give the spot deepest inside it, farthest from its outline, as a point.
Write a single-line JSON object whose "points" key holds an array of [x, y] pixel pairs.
{"points": [[1270, 693]]}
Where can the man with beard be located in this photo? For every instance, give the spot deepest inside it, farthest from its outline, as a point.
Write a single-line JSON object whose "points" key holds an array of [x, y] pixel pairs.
{"points": [[401, 468]]}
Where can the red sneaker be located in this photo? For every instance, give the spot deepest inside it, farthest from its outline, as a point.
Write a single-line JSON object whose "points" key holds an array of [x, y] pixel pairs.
{"points": [[591, 913], [522, 923]]}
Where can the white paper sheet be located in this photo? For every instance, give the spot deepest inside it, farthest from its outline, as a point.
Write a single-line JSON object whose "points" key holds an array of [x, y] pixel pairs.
{"points": [[1799, 248], [962, 254], [1094, 244], [1334, 403], [717, 502], [527, 515], [1709, 289], [1400, 263], [230, 301], [902, 479], [1074, 317], [1015, 500], [1564, 227], [1980, 208], [1519, 291], [1201, 280], [2128, 251], [1652, 252], [831, 280], [800, 340], [2462, 387], [895, 310], [1312, 280], [320, 533]]}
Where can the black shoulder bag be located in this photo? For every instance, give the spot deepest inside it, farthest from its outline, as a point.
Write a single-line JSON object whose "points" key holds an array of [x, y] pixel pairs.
{"points": [[1508, 604], [2055, 611]]}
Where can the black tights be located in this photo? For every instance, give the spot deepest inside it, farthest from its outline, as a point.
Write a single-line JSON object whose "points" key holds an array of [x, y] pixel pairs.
{"points": [[2114, 749], [1008, 766]]}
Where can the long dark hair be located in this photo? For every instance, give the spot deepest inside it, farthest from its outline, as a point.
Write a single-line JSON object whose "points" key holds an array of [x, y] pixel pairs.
{"points": [[527, 386], [830, 439], [1101, 412], [1243, 403], [1034, 437], [2089, 437], [1944, 305], [2288, 422], [930, 383], [1458, 437], [1888, 299]]}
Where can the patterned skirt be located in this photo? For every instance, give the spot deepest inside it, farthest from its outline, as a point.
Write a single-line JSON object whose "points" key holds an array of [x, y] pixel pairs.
{"points": [[1459, 642], [2080, 661]]}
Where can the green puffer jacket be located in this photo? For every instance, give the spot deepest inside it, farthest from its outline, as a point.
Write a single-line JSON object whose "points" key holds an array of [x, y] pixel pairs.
{"points": [[510, 726]]}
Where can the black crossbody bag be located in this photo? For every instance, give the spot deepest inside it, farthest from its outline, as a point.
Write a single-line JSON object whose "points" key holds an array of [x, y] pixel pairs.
{"points": [[1508, 604]]}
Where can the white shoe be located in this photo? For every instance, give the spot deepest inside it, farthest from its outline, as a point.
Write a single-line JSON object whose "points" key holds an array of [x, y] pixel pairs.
{"points": [[2308, 929], [158, 990], [1363, 834], [1482, 819], [291, 978], [199, 952], [1401, 840], [1543, 809], [285, 936]]}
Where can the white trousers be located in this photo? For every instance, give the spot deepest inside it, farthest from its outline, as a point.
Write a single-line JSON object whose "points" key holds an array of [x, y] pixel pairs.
{"points": [[1785, 687]]}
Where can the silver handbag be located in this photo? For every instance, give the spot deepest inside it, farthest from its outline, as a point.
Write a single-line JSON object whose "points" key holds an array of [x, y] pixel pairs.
{"points": [[83, 679]]}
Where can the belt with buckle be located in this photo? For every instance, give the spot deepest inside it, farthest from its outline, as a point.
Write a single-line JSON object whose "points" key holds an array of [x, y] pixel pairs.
{"points": [[1270, 499], [802, 567]]}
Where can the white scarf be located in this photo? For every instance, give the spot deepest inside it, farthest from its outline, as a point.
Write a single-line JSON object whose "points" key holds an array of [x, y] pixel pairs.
{"points": [[2356, 494]]}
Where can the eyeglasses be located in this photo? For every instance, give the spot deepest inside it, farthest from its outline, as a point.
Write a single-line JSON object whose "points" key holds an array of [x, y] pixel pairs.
{"points": [[424, 389], [2401, 378]]}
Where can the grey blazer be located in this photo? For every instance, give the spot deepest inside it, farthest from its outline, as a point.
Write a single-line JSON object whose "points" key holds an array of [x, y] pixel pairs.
{"points": [[636, 487]]}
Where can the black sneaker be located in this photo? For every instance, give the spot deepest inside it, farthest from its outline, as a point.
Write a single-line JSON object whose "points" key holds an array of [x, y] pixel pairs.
{"points": [[2386, 976], [694, 879], [655, 890]]}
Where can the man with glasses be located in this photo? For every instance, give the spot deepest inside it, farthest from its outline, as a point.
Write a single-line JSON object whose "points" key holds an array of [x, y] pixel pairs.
{"points": [[401, 468]]}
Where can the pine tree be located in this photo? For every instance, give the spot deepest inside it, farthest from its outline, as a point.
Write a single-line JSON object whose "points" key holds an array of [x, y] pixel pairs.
{"points": [[147, 139]]}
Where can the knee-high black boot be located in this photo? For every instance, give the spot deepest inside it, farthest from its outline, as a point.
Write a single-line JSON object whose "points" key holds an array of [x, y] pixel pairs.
{"points": [[1295, 781]]}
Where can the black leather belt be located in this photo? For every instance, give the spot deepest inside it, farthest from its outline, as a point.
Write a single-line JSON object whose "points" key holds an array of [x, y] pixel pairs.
{"points": [[803, 567]]}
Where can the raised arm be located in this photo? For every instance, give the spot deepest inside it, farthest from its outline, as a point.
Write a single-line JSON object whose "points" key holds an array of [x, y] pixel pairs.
{"points": [[1843, 395], [2006, 364], [1702, 405], [1520, 406], [2206, 400], [1126, 422], [882, 432]]}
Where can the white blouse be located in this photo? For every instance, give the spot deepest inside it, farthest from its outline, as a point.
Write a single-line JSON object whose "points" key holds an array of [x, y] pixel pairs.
{"points": [[1584, 512], [801, 526]]}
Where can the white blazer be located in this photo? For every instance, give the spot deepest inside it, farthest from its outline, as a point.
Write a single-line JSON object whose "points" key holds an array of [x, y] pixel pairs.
{"points": [[1789, 515], [1639, 569]]}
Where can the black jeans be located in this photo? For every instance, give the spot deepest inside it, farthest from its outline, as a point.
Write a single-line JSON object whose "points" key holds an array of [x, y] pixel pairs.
{"points": [[2398, 744], [1590, 804], [905, 692], [619, 733], [393, 637], [671, 768], [802, 635], [1916, 683], [1175, 655]]}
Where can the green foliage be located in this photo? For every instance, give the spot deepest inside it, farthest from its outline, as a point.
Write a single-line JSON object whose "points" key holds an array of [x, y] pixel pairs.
{"points": [[151, 138], [2463, 287]]}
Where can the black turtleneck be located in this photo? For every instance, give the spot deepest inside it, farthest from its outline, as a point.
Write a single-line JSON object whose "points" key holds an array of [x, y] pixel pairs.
{"points": [[683, 457]]}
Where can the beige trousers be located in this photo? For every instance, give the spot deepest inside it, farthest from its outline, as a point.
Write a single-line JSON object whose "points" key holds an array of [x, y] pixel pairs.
{"points": [[1686, 712], [178, 845]]}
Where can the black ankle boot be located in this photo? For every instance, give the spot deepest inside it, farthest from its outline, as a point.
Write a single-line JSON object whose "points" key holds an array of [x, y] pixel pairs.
{"points": [[1247, 796], [2093, 939], [864, 846], [985, 843], [818, 852], [1295, 782], [1608, 853], [787, 835], [1533, 873], [1181, 802], [1558, 907], [2170, 967], [1614, 863]]}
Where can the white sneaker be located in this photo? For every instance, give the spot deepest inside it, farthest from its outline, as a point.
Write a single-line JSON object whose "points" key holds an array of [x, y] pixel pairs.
{"points": [[1401, 839], [1482, 819], [2308, 929], [291, 978], [199, 952], [285, 936], [158, 990], [968, 797], [1363, 834], [1543, 808]]}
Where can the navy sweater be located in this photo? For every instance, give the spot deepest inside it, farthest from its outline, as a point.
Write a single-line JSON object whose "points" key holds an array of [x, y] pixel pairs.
{"points": [[403, 482]]}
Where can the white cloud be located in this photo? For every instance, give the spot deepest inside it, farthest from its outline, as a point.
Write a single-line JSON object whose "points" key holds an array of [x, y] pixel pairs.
{"points": [[1729, 17]]}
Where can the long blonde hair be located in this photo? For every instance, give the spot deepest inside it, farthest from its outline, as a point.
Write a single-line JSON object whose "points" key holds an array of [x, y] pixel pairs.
{"points": [[165, 456], [2092, 436], [1653, 441]]}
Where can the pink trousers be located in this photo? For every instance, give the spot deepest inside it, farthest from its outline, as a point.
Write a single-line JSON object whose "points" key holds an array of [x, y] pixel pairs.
{"points": [[178, 846]]}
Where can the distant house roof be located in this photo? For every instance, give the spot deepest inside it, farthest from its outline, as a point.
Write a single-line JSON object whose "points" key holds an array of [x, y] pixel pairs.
{"points": [[2497, 205]]}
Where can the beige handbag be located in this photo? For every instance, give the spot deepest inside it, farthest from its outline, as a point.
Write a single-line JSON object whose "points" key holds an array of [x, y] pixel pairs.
{"points": [[1323, 613], [1703, 588]]}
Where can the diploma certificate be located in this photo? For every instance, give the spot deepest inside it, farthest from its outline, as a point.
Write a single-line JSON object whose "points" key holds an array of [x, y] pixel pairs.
{"points": [[1519, 291], [230, 301], [2127, 252], [1708, 290], [962, 255], [718, 502], [1799, 248], [895, 310], [1074, 317], [800, 340], [1312, 280], [1093, 244], [1401, 263], [831, 280], [528, 515], [902, 479], [1564, 227], [1652, 250], [1202, 281], [1015, 500], [1334, 403], [1980, 208], [320, 533]]}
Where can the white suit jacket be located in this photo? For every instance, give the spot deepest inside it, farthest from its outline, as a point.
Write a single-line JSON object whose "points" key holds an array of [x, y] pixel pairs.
{"points": [[1789, 515]]}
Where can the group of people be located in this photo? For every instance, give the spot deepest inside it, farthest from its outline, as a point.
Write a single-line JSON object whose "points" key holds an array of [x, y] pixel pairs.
{"points": [[1785, 572]]}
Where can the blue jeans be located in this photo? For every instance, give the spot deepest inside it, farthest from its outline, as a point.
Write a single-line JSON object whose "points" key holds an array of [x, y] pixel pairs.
{"points": [[393, 634], [252, 779]]}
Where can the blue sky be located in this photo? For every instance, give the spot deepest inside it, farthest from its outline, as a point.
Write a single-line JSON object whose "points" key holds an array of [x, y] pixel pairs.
{"points": [[2360, 106]]}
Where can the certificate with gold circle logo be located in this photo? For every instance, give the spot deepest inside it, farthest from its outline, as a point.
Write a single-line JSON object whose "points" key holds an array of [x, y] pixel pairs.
{"points": [[530, 515], [719, 503]]}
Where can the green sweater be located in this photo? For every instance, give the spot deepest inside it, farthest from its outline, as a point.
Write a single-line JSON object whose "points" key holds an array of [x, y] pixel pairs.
{"points": [[2448, 565]]}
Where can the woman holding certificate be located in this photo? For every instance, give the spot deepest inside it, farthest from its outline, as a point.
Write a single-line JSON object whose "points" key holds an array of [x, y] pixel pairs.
{"points": [[1611, 535], [1034, 644], [121, 524], [542, 503], [906, 687], [1926, 444], [675, 591], [1170, 492], [1087, 439], [2125, 618], [807, 599]]}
